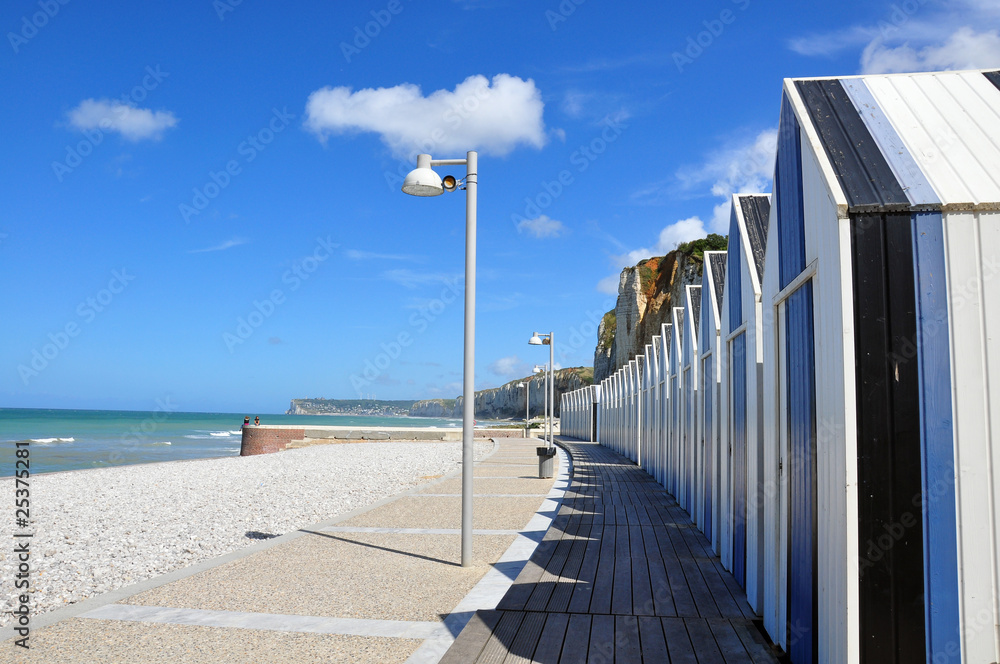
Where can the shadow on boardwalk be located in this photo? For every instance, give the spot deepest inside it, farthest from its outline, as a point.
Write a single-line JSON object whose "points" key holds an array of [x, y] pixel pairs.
{"points": [[622, 575]]}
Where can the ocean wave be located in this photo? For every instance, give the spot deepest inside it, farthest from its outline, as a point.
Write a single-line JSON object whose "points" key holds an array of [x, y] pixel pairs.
{"points": [[225, 433], [49, 441], [164, 442]]}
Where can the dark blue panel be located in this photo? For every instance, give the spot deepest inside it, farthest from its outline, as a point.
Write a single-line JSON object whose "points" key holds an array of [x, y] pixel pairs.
{"points": [[707, 392], [734, 274], [993, 77], [706, 330], [788, 197], [756, 212], [739, 455], [689, 425], [801, 400], [937, 440], [861, 168], [718, 262]]}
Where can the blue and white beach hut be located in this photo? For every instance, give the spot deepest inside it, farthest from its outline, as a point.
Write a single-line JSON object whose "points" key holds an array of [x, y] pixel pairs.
{"points": [[713, 280], [882, 370]]}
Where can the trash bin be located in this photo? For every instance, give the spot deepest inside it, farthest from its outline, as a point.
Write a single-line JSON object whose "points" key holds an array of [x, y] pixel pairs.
{"points": [[546, 461]]}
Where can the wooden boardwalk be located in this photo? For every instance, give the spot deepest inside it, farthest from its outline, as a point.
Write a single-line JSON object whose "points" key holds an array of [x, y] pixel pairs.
{"points": [[621, 576]]}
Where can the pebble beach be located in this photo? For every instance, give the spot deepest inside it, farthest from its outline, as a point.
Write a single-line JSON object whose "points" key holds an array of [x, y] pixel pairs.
{"points": [[99, 530]]}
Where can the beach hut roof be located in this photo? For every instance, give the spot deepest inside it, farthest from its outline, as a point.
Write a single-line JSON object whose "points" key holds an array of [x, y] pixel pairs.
{"points": [[909, 141], [717, 261]]}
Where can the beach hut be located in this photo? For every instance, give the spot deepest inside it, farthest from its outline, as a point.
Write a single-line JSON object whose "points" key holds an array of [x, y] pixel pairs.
{"points": [[689, 462], [676, 394], [882, 370], [741, 376], [663, 433], [645, 410], [713, 280]]}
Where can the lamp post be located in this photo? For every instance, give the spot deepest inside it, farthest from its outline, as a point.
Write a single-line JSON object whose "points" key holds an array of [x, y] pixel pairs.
{"points": [[544, 370], [423, 181], [548, 340], [527, 405]]}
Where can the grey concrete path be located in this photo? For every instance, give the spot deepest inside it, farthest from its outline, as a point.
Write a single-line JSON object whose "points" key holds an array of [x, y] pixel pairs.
{"points": [[381, 584]]}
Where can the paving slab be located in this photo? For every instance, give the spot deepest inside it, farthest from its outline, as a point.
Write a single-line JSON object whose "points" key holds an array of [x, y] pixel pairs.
{"points": [[446, 512], [85, 641], [344, 575]]}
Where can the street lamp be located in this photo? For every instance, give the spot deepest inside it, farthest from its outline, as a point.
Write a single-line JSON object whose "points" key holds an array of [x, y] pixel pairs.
{"points": [[548, 340], [544, 370], [527, 405], [423, 181]]}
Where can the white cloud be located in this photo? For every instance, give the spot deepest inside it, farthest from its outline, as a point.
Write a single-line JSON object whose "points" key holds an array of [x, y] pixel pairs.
{"points": [[673, 234], [963, 49], [745, 166], [356, 255], [541, 227], [909, 37], [510, 367], [134, 124], [228, 244], [490, 116], [413, 279]]}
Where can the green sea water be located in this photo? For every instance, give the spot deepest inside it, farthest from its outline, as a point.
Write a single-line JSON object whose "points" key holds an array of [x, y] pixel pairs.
{"points": [[77, 439]]}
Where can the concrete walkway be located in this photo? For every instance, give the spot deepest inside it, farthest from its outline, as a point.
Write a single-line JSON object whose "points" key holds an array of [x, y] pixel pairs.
{"points": [[382, 584]]}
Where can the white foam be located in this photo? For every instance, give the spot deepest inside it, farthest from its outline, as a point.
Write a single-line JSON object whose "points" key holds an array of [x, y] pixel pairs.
{"points": [[47, 441]]}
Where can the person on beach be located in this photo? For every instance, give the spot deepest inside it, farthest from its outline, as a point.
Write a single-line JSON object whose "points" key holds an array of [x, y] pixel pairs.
{"points": [[246, 421], [256, 421]]}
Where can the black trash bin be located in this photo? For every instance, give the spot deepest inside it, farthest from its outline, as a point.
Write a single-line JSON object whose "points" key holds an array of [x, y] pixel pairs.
{"points": [[546, 461]]}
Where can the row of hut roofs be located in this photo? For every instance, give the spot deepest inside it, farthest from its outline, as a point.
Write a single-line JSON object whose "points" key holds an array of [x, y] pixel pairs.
{"points": [[826, 404]]}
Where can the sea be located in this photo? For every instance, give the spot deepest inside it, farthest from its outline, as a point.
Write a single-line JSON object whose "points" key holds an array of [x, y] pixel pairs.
{"points": [[63, 440]]}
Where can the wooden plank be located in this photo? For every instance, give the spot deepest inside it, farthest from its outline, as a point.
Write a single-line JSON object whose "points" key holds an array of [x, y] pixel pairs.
{"points": [[621, 597], [550, 643], [546, 583], [522, 649], [577, 640], [627, 640], [678, 642], [472, 639], [642, 594], [587, 577], [659, 583], [753, 641], [503, 635], [703, 641], [568, 578], [729, 642], [654, 645], [600, 602], [602, 639]]}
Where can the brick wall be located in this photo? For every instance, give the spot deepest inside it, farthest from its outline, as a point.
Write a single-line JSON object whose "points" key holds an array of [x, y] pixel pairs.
{"points": [[265, 440]]}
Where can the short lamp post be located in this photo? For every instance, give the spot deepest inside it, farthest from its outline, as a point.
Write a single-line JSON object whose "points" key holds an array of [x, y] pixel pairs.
{"points": [[548, 340], [527, 405], [423, 181]]}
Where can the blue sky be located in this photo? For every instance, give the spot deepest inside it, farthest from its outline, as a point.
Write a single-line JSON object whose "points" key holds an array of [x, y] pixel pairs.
{"points": [[201, 199]]}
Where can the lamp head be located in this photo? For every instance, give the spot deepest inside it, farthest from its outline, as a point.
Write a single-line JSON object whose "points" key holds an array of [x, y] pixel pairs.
{"points": [[449, 183], [535, 340], [423, 181]]}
